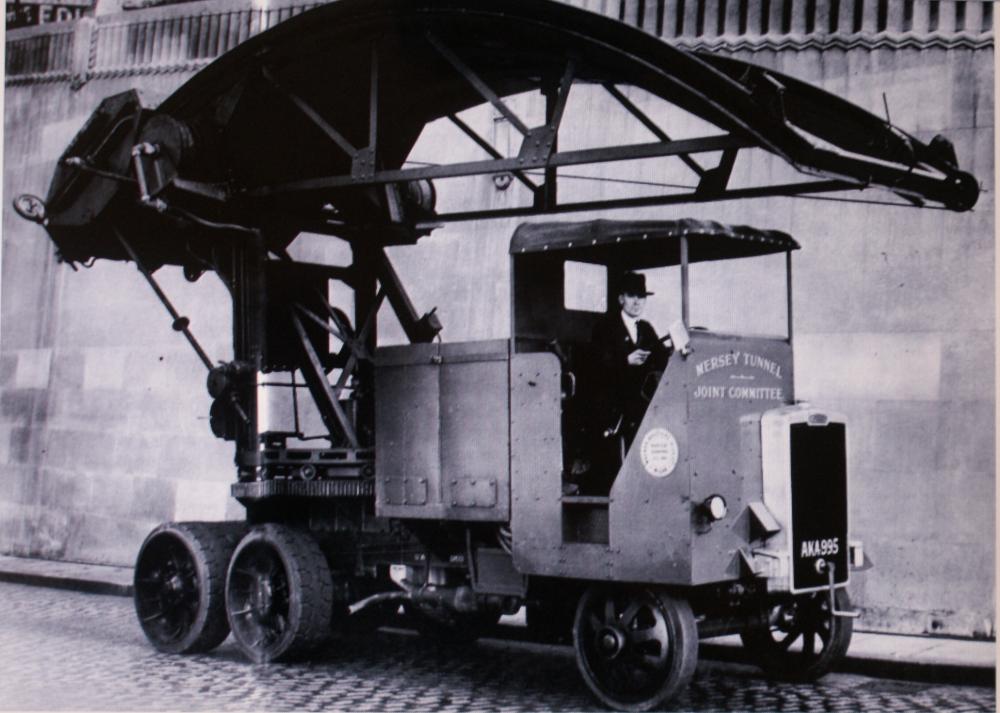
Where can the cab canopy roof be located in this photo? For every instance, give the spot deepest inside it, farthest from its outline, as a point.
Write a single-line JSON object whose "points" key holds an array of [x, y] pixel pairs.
{"points": [[633, 244]]}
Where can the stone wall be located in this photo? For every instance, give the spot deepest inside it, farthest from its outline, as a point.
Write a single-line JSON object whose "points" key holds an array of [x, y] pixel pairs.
{"points": [[103, 416]]}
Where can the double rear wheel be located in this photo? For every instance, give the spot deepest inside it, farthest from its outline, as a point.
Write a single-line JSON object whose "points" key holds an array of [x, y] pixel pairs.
{"points": [[195, 582], [279, 594], [179, 585]]}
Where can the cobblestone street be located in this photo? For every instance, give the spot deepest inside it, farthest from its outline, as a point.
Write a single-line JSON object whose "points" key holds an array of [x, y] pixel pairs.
{"points": [[72, 651]]}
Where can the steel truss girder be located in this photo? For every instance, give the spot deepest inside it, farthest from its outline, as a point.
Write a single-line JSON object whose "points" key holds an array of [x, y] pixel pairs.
{"points": [[521, 163], [239, 146], [785, 189]]}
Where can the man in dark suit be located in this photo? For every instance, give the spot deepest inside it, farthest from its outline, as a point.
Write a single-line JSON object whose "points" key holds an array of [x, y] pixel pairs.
{"points": [[626, 352]]}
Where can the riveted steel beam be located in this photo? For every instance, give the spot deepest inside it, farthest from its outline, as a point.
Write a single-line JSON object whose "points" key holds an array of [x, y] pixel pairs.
{"points": [[471, 168]]}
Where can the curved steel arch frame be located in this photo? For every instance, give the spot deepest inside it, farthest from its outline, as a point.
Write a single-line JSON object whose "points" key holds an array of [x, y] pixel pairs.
{"points": [[323, 110], [308, 126]]}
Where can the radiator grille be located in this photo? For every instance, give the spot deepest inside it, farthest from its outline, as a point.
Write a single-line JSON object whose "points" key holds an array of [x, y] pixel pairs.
{"points": [[819, 503]]}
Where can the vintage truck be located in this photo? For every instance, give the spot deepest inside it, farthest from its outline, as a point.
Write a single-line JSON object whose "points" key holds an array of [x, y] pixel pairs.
{"points": [[438, 482]]}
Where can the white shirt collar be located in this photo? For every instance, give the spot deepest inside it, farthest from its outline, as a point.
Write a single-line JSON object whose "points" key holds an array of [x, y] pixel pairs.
{"points": [[631, 326]]}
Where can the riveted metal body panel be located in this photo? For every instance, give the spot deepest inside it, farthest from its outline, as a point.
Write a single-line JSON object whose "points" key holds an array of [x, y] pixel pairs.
{"points": [[407, 422], [755, 520], [656, 523], [474, 443], [650, 517], [469, 493], [729, 378], [535, 462], [405, 491], [441, 417], [538, 510]]}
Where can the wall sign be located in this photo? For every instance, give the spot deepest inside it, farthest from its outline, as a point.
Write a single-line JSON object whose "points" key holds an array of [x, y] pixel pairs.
{"points": [[25, 13]]}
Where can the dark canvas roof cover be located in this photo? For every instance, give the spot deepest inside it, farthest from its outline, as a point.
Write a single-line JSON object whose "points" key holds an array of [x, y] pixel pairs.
{"points": [[647, 243]]}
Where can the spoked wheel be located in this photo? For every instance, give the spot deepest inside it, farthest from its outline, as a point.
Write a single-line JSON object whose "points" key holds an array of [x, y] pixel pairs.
{"points": [[279, 594], [636, 647], [803, 640], [180, 577]]}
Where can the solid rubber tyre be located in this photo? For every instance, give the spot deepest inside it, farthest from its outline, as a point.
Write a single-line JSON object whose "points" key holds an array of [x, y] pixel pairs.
{"points": [[636, 647], [279, 594], [179, 585], [782, 649]]}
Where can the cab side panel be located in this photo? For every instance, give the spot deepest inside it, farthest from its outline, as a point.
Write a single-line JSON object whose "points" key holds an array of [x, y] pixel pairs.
{"points": [[729, 378], [536, 463], [650, 525]]}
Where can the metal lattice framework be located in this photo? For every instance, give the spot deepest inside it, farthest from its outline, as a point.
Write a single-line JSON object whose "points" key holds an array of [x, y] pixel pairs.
{"points": [[309, 127], [323, 110]]}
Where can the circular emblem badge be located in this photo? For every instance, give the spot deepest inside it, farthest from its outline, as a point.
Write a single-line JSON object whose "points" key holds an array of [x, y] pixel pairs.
{"points": [[659, 452]]}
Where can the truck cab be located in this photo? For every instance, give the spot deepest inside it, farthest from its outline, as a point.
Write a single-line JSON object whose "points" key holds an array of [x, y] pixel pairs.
{"points": [[730, 500], [690, 453], [494, 431]]}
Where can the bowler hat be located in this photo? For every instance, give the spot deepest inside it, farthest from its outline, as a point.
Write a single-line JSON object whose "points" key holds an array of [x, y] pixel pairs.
{"points": [[634, 283]]}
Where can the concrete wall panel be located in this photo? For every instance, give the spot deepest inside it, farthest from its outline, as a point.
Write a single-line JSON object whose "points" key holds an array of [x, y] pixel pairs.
{"points": [[868, 366]]}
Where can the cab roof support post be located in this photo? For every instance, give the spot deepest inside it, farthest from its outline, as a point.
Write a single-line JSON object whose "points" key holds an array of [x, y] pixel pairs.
{"points": [[685, 286], [788, 297]]}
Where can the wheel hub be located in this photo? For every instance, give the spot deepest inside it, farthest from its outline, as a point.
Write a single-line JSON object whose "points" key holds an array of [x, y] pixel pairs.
{"points": [[611, 642], [785, 618], [262, 597], [175, 584]]}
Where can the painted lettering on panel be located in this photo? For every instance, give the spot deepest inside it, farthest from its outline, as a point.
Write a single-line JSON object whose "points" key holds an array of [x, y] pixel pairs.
{"points": [[25, 13], [739, 375]]}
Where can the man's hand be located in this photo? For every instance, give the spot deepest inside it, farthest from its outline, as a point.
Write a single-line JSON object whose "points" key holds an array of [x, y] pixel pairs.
{"points": [[638, 357]]}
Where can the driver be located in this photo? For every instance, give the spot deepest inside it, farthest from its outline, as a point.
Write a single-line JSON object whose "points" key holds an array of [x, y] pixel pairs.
{"points": [[627, 351]]}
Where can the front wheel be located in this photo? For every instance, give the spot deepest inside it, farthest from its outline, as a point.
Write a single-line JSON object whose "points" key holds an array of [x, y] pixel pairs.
{"points": [[279, 594], [803, 639], [635, 647]]}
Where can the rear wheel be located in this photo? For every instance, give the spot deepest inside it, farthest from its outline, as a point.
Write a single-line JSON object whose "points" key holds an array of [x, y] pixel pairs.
{"points": [[803, 639], [279, 594], [179, 585], [636, 647]]}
